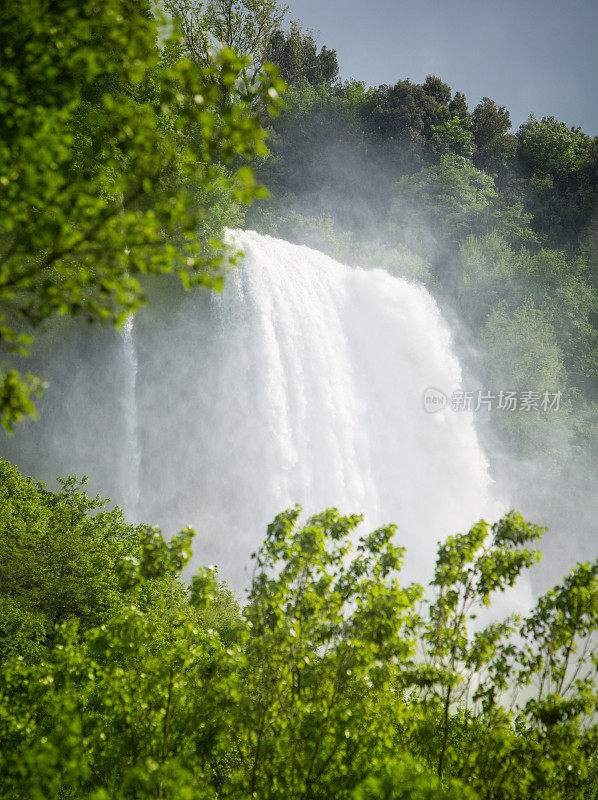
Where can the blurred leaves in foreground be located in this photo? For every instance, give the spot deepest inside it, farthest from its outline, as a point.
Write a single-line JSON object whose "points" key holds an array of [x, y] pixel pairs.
{"points": [[113, 154]]}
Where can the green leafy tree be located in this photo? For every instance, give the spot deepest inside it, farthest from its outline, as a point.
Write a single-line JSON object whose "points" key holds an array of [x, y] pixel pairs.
{"points": [[458, 106], [296, 56], [139, 706], [115, 680], [559, 163], [438, 89], [58, 561], [404, 778], [470, 567], [590, 248], [460, 200], [329, 622], [551, 148], [108, 156], [523, 348], [456, 133], [495, 146], [522, 354], [560, 284], [488, 272], [484, 273], [400, 119], [245, 26], [472, 716]]}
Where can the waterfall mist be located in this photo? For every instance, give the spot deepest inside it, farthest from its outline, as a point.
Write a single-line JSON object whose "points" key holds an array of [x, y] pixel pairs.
{"points": [[301, 383], [131, 488]]}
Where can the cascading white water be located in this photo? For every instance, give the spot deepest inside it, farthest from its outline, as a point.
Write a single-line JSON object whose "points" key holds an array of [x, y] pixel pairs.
{"points": [[132, 449], [301, 383]]}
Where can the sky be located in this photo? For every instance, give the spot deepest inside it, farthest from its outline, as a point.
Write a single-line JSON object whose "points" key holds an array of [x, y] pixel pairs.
{"points": [[533, 56]]}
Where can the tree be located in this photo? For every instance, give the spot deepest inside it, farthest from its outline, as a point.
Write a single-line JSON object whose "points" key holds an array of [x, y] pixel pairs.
{"points": [[399, 119], [550, 148], [329, 622], [104, 654], [454, 125], [590, 247], [438, 89], [456, 133], [560, 165], [469, 568], [478, 720], [58, 561], [483, 274], [560, 284], [522, 354], [523, 349], [245, 26], [109, 154], [458, 106], [295, 54], [460, 200], [495, 146]]}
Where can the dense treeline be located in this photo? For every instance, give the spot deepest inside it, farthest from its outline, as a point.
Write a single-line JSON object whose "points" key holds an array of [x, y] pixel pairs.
{"points": [[407, 177], [334, 681], [548, 167]]}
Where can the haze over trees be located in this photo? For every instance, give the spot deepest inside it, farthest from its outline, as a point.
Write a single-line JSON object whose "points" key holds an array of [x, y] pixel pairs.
{"points": [[499, 225]]}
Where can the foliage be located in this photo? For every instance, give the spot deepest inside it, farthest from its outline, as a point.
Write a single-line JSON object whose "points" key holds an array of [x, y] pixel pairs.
{"points": [[551, 148], [438, 89], [245, 26], [118, 679], [467, 678], [400, 119], [334, 681], [560, 164], [327, 630], [296, 56], [494, 145], [58, 561], [460, 200], [108, 159], [110, 701], [406, 779], [456, 133], [561, 285]]}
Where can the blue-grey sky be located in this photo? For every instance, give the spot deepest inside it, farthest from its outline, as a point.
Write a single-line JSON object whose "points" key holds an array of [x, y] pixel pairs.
{"points": [[534, 56]]}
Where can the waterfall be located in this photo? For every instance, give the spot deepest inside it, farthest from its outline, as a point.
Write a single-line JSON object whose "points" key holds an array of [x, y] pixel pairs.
{"points": [[301, 383], [132, 450]]}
